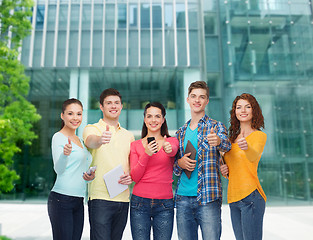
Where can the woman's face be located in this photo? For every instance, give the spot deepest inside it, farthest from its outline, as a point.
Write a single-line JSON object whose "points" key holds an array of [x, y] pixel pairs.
{"points": [[72, 116], [154, 119], [244, 111]]}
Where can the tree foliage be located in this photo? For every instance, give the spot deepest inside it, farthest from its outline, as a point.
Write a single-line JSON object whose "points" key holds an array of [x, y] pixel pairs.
{"points": [[17, 114]]}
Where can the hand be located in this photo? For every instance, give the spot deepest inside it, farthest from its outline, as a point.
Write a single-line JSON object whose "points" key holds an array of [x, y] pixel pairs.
{"points": [[213, 139], [167, 146], [186, 163], [106, 136], [224, 170], [152, 148], [125, 179], [90, 177], [242, 143], [67, 148]]}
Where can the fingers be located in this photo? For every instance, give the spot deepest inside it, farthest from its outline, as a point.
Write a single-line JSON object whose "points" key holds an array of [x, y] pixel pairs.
{"points": [[152, 148], [106, 136], [213, 139], [186, 163], [167, 146], [224, 170], [67, 148], [125, 179]]}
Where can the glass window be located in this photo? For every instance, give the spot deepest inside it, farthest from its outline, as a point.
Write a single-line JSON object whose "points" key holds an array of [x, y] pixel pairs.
{"points": [[133, 48], [109, 48], [145, 48], [49, 49], [61, 49], [63, 17], [86, 17], [180, 15], [51, 17], [193, 16], [97, 49], [157, 16], [75, 16], [73, 46], [212, 51], [169, 48], [122, 16], [37, 49], [157, 48], [194, 47], [98, 17], [110, 16], [85, 48], [182, 47], [121, 48], [40, 17], [145, 16], [168, 15], [133, 15]]}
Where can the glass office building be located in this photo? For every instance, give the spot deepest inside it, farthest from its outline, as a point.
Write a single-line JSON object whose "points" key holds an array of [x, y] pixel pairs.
{"points": [[151, 50]]}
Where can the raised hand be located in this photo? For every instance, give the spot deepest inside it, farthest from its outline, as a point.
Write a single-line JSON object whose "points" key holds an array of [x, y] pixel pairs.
{"points": [[67, 148], [242, 143], [167, 146], [186, 163], [213, 139], [106, 136], [152, 148]]}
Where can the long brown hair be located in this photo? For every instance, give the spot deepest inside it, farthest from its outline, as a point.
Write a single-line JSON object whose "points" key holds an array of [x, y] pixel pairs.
{"points": [[257, 121], [164, 129]]}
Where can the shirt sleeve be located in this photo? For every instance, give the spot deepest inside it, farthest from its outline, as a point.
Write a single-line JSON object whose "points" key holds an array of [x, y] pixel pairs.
{"points": [[90, 130], [138, 162], [177, 170], [59, 159], [225, 144], [255, 147]]}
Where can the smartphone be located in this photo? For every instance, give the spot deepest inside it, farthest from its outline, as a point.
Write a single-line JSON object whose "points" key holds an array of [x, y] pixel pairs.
{"points": [[91, 169], [150, 139]]}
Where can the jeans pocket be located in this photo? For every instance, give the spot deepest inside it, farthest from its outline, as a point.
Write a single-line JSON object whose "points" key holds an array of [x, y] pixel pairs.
{"points": [[168, 204], [135, 205]]}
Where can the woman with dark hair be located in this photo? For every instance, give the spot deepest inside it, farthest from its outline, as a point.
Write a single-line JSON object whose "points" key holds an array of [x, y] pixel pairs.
{"points": [[151, 163], [245, 195], [71, 158]]}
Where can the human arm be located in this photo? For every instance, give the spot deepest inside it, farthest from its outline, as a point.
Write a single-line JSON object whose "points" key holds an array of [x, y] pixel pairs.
{"points": [[93, 140], [221, 131], [256, 144], [58, 147], [138, 161]]}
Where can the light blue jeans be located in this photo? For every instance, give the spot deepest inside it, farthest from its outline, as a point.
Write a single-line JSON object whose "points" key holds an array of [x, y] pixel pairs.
{"points": [[247, 217], [156, 213], [190, 215]]}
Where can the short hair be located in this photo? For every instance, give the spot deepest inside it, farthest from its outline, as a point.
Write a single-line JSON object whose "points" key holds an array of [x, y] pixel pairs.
{"points": [[109, 92], [257, 121], [199, 84], [164, 128]]}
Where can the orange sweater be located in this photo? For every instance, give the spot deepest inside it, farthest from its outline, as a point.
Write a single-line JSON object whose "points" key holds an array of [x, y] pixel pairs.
{"points": [[243, 166]]}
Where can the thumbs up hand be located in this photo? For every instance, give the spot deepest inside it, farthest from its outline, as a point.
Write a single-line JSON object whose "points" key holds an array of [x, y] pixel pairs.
{"points": [[67, 148], [213, 139], [106, 136], [242, 143], [167, 146]]}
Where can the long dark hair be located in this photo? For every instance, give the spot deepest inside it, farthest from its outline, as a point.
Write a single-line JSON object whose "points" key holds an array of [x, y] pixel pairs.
{"points": [[164, 129], [257, 121], [69, 102]]}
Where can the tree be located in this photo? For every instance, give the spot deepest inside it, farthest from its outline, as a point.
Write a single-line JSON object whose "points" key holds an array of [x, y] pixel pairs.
{"points": [[17, 114]]}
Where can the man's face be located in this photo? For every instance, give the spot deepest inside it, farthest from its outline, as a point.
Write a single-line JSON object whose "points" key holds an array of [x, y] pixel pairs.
{"points": [[198, 100], [111, 107]]}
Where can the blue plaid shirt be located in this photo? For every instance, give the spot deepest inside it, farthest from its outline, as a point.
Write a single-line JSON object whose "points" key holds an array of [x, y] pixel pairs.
{"points": [[209, 180]]}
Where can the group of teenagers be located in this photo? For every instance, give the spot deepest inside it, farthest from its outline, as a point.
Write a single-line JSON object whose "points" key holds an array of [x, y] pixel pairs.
{"points": [[151, 164]]}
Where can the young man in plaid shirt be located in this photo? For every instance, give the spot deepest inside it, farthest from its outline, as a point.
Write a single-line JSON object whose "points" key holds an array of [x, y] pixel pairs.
{"points": [[199, 198]]}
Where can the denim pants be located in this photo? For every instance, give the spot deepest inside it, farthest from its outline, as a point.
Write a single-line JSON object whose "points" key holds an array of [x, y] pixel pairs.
{"points": [[66, 215], [156, 213], [107, 219], [247, 217], [189, 215]]}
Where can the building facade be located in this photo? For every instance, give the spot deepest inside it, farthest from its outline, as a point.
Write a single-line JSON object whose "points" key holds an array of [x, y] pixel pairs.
{"points": [[151, 50]]}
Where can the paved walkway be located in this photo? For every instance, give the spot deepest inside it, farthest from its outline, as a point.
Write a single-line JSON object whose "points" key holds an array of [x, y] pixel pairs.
{"points": [[24, 221]]}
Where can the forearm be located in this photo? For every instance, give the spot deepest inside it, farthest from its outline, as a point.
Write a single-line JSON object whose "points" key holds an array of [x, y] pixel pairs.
{"points": [[93, 142], [138, 166]]}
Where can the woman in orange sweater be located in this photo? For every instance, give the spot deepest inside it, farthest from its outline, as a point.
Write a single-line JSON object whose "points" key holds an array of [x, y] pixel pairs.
{"points": [[245, 195]]}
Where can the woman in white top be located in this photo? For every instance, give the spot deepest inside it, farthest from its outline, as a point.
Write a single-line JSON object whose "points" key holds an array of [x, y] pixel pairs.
{"points": [[71, 161]]}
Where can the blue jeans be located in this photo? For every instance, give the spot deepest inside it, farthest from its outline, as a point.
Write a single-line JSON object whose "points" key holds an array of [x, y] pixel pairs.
{"points": [[66, 215], [247, 217], [107, 219], [156, 213], [190, 215]]}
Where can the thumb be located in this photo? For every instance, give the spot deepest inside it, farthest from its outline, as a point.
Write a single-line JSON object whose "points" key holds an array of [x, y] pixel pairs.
{"points": [[69, 141], [212, 130], [164, 138], [107, 128]]}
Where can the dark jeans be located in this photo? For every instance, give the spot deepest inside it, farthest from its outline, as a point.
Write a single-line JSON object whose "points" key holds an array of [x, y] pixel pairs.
{"points": [[107, 219], [247, 217], [66, 215], [156, 213]]}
